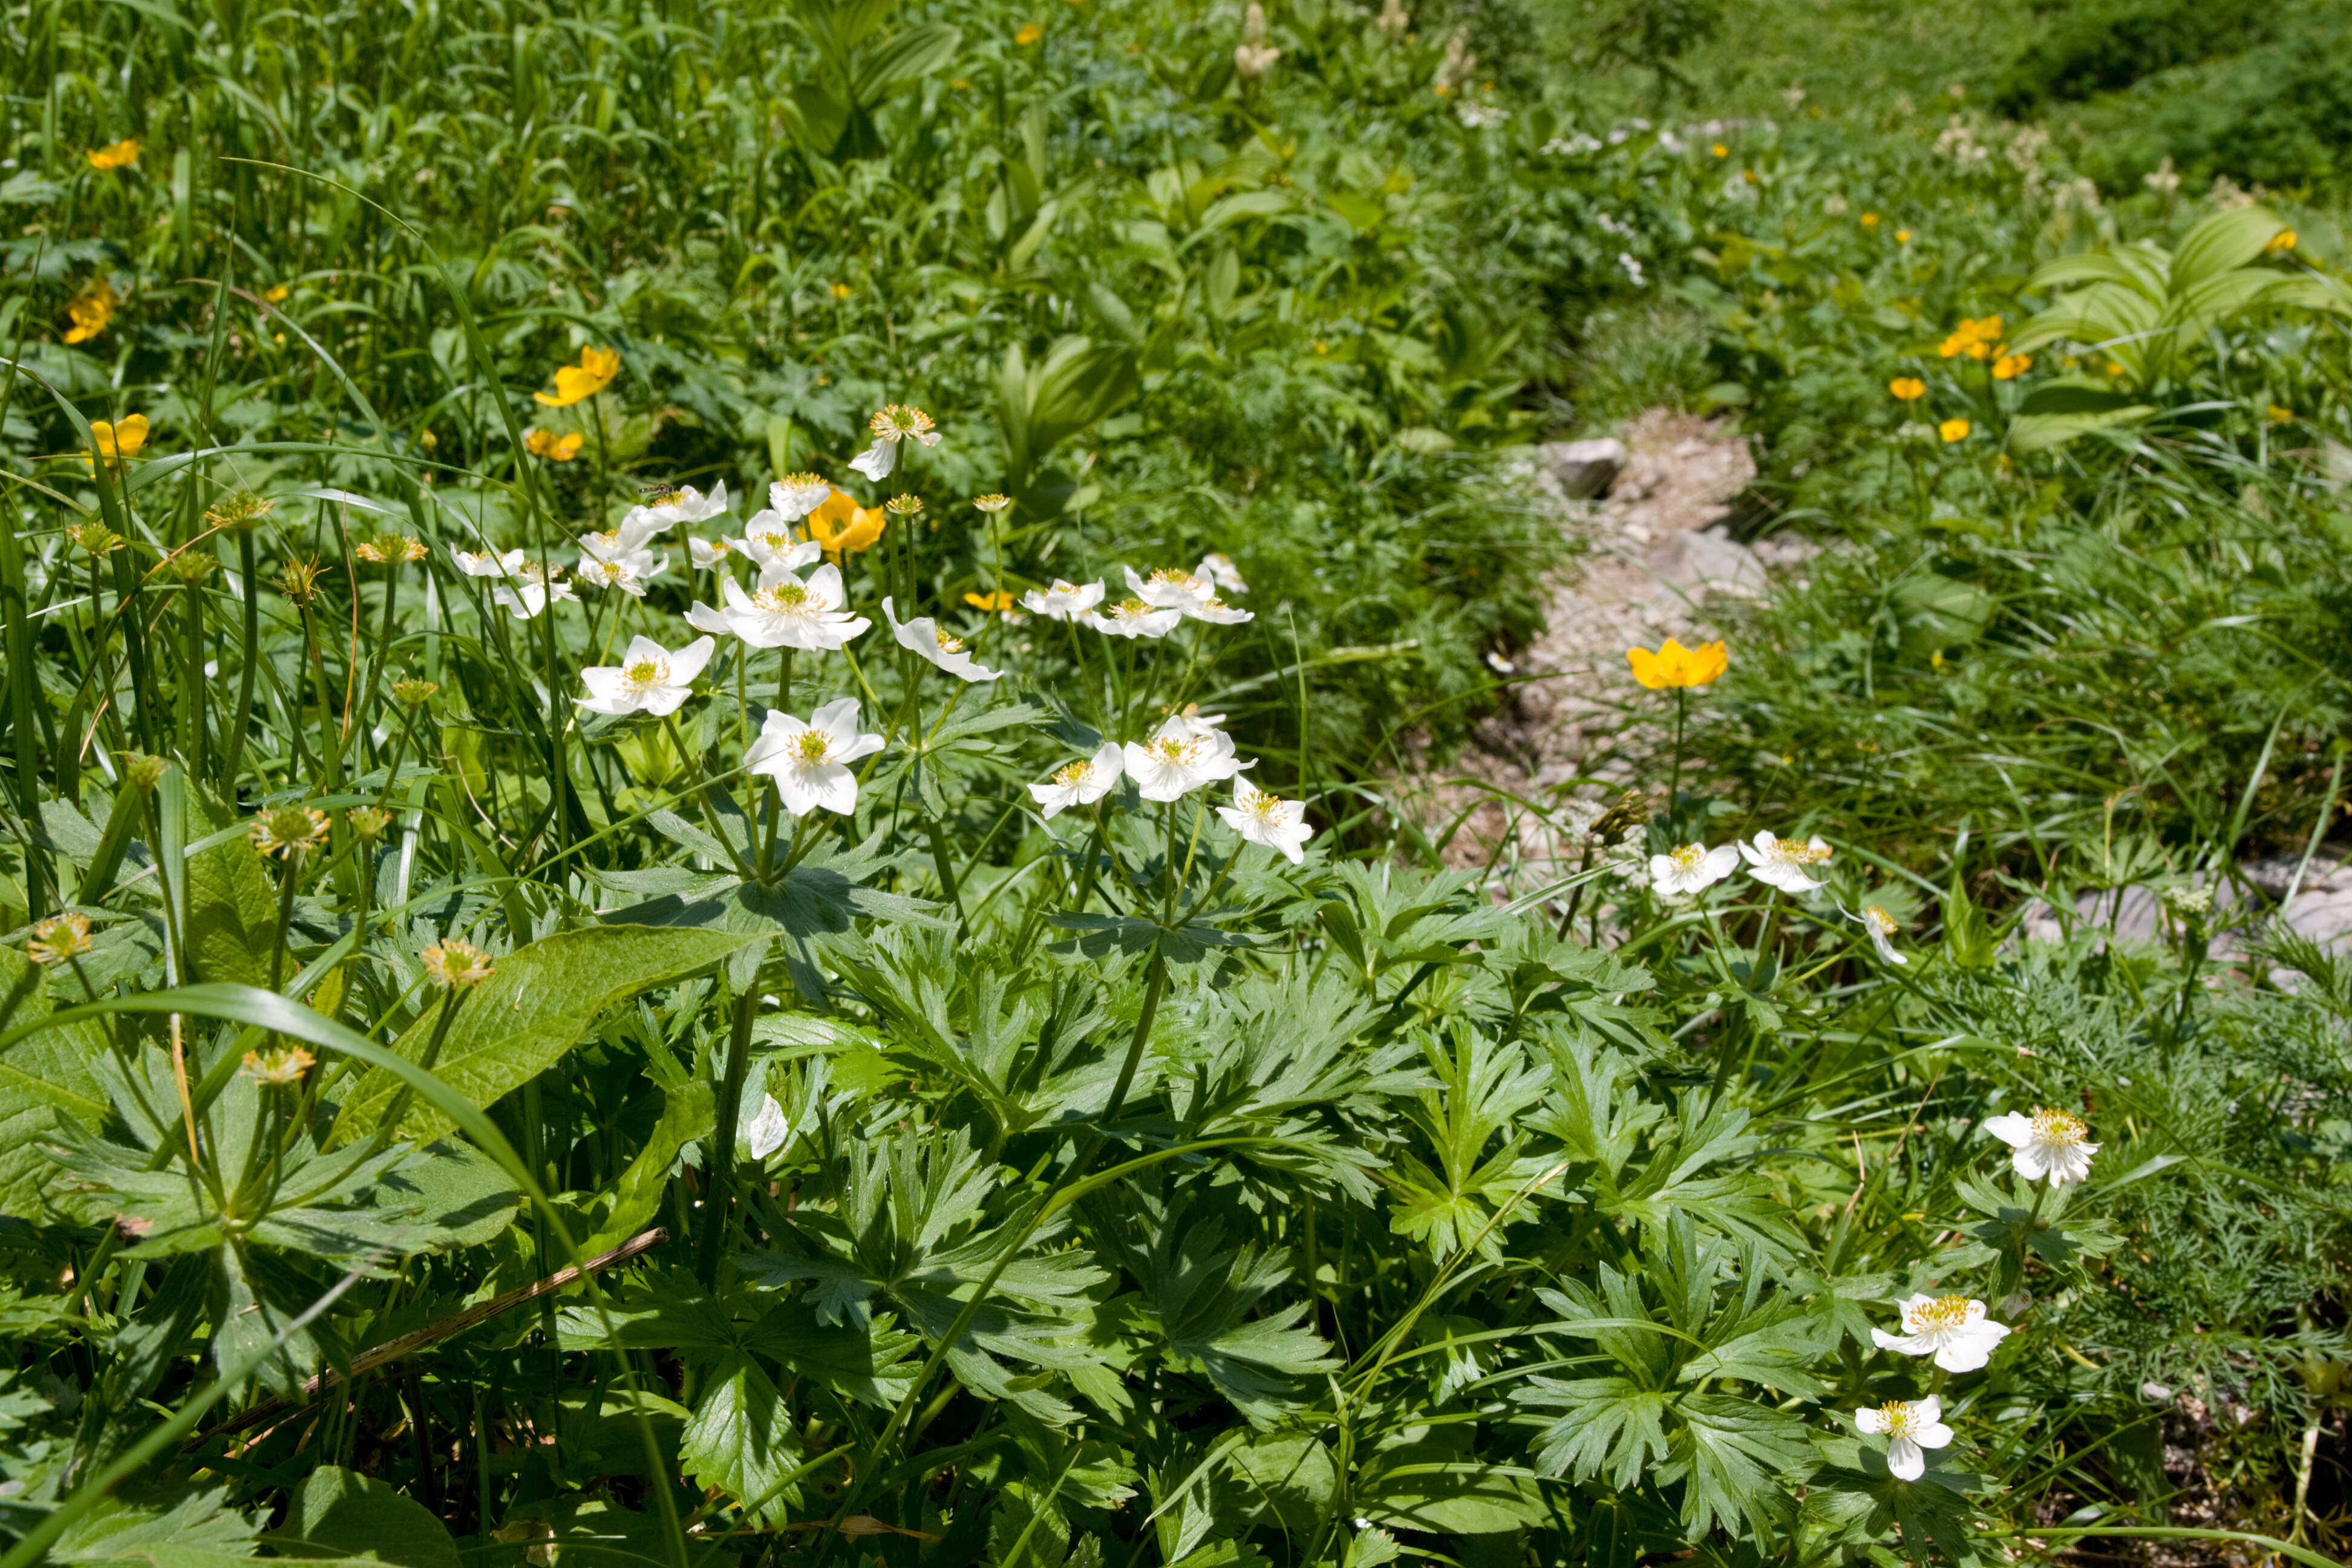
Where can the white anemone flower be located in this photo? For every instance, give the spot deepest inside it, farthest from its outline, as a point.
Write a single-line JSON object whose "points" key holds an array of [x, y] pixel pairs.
{"points": [[1176, 761], [1693, 869], [1170, 588], [1909, 1426], [1064, 601], [795, 496], [1080, 783], [1219, 569], [1193, 722], [489, 563], [810, 761], [648, 679], [627, 573], [765, 1133], [783, 612], [1780, 862], [926, 636], [2047, 1144], [890, 426], [1952, 1329], [1134, 618], [710, 556], [1268, 819], [529, 589], [767, 541], [683, 504], [1881, 927], [1217, 612]]}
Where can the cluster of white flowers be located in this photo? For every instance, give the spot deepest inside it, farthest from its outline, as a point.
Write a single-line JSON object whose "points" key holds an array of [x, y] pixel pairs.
{"points": [[1155, 605], [1633, 268], [1576, 146], [1774, 861], [1478, 116], [1188, 750]]}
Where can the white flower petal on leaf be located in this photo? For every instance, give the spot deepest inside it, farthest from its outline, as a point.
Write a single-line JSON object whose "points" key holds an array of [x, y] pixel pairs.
{"points": [[810, 759], [923, 636], [1064, 601], [765, 1133], [1780, 862], [1909, 1426], [2048, 1143], [1081, 783], [1176, 761], [648, 679], [1693, 869], [1952, 1329], [1268, 819]]}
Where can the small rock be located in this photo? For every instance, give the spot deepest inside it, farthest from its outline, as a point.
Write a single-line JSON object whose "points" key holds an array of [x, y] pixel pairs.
{"points": [[2277, 874], [1583, 468], [1691, 560]]}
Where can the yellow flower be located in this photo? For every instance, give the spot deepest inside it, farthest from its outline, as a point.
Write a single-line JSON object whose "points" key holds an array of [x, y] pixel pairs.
{"points": [[841, 524], [1972, 338], [1029, 34], [1674, 665], [840, 291], [553, 447], [2281, 415], [90, 311], [1902, 235], [574, 383], [116, 442], [2009, 366], [276, 293], [1953, 430], [996, 604], [2282, 240], [1870, 220], [1720, 151], [1909, 388], [115, 154]]}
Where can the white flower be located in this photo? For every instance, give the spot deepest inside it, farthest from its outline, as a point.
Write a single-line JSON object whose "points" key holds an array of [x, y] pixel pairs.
{"points": [[784, 611], [709, 555], [529, 589], [1267, 819], [796, 495], [648, 679], [1693, 869], [1134, 618], [767, 541], [890, 426], [627, 573], [489, 563], [1909, 1426], [1064, 601], [765, 1133], [1216, 610], [1170, 588], [810, 762], [1176, 761], [1080, 784], [924, 636], [1952, 1329], [1780, 862], [877, 461], [1219, 569], [2047, 1144], [684, 504], [1191, 721], [1881, 926]]}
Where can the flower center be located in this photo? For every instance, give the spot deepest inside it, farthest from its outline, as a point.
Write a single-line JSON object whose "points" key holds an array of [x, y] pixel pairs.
{"points": [[647, 672], [776, 541], [1689, 858], [1130, 609], [2057, 1129], [783, 599], [1902, 1420], [1174, 750], [949, 644], [1075, 774], [1267, 808], [1880, 921], [1942, 1313], [813, 747], [1175, 577]]}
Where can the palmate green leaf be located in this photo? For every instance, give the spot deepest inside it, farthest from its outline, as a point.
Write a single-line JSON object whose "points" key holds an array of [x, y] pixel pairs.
{"points": [[539, 1002], [1740, 1464], [1612, 1428], [197, 1527], [743, 1440], [1445, 1491], [1853, 1499], [870, 1364], [1469, 1115]]}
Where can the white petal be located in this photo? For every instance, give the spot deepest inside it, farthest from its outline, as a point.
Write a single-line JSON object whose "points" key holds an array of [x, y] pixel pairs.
{"points": [[1871, 1421], [1904, 1461], [877, 461]]}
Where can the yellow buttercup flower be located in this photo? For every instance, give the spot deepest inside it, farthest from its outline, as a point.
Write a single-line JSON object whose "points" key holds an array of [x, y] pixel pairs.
{"points": [[1902, 235], [841, 524], [115, 154], [1029, 34], [1953, 430], [553, 447], [116, 442], [840, 291], [90, 311], [576, 382], [1720, 151], [276, 293], [1972, 338], [1909, 388], [2279, 416], [2011, 365], [1674, 665], [1870, 220], [2282, 240], [997, 603]]}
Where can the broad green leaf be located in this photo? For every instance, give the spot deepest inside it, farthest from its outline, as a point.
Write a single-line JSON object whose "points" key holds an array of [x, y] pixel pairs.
{"points": [[688, 1114], [358, 1515], [1444, 1491], [741, 1438], [232, 914]]}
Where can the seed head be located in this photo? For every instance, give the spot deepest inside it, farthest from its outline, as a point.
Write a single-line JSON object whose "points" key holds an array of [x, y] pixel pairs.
{"points": [[283, 1067], [454, 965], [240, 511], [95, 538], [141, 771], [415, 693], [368, 822], [992, 504], [59, 938], [388, 549], [288, 828], [299, 579], [185, 568], [903, 506]]}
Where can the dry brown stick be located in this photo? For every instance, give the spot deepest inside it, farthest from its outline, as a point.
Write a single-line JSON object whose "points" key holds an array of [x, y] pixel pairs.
{"points": [[432, 1335]]}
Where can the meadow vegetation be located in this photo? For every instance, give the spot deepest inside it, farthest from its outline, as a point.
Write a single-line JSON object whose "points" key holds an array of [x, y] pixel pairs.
{"points": [[701, 851]]}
